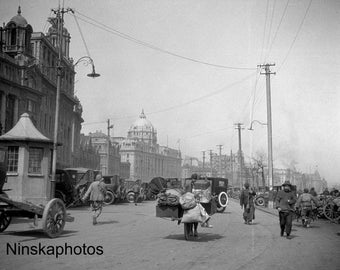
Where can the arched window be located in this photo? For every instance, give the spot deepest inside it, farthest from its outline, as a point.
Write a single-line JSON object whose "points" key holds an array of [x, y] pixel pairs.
{"points": [[13, 36]]}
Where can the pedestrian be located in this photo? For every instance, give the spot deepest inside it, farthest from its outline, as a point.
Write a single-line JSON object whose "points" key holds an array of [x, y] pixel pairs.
{"points": [[304, 202], [96, 192], [247, 203], [285, 201], [325, 192], [136, 191], [313, 192]]}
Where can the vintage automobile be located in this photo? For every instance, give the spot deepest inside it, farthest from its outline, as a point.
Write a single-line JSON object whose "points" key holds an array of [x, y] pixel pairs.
{"points": [[209, 188], [64, 187], [72, 183], [115, 187], [130, 195], [211, 192]]}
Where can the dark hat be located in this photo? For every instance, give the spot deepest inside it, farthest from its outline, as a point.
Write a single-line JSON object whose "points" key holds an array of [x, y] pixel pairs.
{"points": [[286, 183], [246, 185]]}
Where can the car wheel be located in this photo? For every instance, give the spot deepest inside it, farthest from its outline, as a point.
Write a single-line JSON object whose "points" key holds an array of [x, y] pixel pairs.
{"points": [[130, 197], [109, 198]]}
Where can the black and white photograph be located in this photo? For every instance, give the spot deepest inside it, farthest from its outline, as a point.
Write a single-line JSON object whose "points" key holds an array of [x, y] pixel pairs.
{"points": [[170, 134]]}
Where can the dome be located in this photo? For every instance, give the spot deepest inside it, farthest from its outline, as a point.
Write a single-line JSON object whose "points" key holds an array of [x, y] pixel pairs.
{"points": [[142, 123], [18, 19]]}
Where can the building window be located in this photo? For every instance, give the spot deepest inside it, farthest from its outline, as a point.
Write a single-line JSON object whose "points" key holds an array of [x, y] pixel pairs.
{"points": [[13, 156], [35, 159]]}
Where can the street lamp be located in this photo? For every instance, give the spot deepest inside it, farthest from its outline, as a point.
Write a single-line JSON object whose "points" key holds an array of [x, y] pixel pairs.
{"points": [[251, 124], [87, 60]]}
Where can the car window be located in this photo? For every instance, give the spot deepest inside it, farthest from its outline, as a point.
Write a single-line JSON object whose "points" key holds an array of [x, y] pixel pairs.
{"points": [[221, 184]]}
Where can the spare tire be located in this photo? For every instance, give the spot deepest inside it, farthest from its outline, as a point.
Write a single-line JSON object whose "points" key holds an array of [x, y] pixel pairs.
{"points": [[223, 199], [259, 201]]}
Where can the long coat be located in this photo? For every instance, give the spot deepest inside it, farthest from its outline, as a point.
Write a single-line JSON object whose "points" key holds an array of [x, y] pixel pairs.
{"points": [[247, 202]]}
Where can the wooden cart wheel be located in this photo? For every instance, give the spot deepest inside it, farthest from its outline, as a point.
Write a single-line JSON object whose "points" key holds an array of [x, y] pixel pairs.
{"points": [[54, 218], [329, 211], [5, 220]]}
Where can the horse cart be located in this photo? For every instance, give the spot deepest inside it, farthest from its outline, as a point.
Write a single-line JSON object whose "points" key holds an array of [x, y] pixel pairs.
{"points": [[25, 184], [209, 192]]}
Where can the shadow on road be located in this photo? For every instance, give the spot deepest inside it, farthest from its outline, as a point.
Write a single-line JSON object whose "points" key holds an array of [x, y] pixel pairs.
{"points": [[202, 237], [38, 234], [107, 222], [224, 213]]}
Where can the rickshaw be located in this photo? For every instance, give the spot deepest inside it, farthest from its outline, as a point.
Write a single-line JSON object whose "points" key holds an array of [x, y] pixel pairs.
{"points": [[25, 187]]}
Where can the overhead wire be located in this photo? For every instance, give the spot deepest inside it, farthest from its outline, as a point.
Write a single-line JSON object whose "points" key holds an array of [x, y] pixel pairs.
{"points": [[296, 35], [185, 103], [150, 46], [270, 29], [257, 99], [264, 30], [277, 29], [82, 36]]}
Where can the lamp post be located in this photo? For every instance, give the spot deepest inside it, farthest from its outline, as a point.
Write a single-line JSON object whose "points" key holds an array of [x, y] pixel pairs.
{"points": [[255, 121], [88, 60]]}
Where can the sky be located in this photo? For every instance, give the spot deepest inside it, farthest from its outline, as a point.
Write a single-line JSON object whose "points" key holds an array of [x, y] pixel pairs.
{"points": [[192, 66]]}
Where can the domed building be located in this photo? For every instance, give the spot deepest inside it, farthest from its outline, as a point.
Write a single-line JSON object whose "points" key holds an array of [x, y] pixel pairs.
{"points": [[146, 157]]}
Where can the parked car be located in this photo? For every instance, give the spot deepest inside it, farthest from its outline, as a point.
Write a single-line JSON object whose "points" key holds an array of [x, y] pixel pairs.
{"points": [[115, 187], [130, 195], [210, 188], [72, 183]]}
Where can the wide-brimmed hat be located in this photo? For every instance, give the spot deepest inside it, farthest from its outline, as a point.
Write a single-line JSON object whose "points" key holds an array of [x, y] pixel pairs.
{"points": [[287, 183]]}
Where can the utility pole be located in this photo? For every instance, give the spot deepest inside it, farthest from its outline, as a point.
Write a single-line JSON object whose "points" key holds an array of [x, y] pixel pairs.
{"points": [[240, 161], [203, 152], [220, 160], [269, 123], [60, 23], [211, 167], [231, 167], [108, 145]]}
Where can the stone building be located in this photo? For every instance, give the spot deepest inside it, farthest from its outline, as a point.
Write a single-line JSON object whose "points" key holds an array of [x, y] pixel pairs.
{"points": [[108, 152], [86, 155], [28, 83], [147, 158]]}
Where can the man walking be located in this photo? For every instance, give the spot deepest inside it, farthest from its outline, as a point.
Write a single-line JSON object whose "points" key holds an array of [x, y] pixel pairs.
{"points": [[285, 201], [136, 191], [305, 202], [247, 203], [97, 193]]}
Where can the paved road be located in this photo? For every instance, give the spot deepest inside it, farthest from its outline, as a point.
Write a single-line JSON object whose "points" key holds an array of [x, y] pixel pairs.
{"points": [[131, 237]]}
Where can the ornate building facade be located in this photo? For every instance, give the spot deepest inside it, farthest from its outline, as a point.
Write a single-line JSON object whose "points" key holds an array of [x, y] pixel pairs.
{"points": [[109, 153], [28, 83], [147, 158]]}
